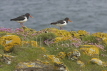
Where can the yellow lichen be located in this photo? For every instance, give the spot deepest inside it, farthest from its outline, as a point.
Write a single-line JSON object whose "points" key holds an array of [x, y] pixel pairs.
{"points": [[80, 63], [79, 33], [32, 43], [61, 55], [90, 50], [43, 49], [96, 61], [82, 32], [73, 55], [9, 41], [58, 39], [52, 58], [103, 36]]}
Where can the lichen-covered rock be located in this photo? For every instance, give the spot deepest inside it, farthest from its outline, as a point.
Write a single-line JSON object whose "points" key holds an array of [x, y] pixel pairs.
{"points": [[80, 63], [90, 50], [28, 30], [9, 41], [83, 32], [61, 55], [6, 58], [34, 66], [74, 55], [96, 61], [75, 34], [58, 39], [62, 35], [60, 67], [43, 49], [52, 58], [79, 33], [29, 43], [101, 35]]}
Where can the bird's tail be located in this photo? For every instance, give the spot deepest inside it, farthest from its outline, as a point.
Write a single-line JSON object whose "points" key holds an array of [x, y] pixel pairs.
{"points": [[53, 23], [11, 19]]}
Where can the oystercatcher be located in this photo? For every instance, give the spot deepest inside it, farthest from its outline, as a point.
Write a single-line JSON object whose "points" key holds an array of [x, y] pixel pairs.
{"points": [[22, 19], [61, 23]]}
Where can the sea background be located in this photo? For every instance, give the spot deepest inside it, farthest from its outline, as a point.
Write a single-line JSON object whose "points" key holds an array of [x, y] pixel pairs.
{"points": [[89, 15]]}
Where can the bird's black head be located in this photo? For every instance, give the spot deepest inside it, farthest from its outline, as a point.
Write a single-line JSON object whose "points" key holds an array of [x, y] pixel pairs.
{"points": [[67, 19], [28, 15]]}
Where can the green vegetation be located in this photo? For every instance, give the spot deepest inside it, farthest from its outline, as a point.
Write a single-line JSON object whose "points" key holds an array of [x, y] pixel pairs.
{"points": [[44, 36], [50, 47]]}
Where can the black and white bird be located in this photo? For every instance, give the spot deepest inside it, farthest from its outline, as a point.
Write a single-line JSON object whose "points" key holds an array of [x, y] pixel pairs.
{"points": [[22, 19], [61, 23]]}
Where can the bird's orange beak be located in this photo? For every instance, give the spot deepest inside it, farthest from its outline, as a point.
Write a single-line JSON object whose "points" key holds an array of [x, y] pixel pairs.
{"points": [[69, 20], [31, 16]]}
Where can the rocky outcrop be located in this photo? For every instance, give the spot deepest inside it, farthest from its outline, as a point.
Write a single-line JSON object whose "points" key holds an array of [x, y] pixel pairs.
{"points": [[34, 66]]}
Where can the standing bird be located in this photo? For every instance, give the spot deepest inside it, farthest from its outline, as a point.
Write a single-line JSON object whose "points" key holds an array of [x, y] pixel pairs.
{"points": [[22, 19], [61, 23]]}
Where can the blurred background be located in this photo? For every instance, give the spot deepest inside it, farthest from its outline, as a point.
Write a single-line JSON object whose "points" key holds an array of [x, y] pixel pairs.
{"points": [[89, 15]]}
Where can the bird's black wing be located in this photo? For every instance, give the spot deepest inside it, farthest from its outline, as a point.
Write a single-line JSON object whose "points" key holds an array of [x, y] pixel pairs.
{"points": [[53, 23], [61, 21], [18, 18]]}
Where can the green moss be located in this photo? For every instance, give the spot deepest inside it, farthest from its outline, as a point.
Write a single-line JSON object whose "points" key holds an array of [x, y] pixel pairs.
{"points": [[2, 34], [45, 36], [89, 39]]}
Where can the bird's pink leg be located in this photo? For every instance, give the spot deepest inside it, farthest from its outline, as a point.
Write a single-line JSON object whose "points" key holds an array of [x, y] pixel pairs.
{"points": [[60, 28], [22, 24]]}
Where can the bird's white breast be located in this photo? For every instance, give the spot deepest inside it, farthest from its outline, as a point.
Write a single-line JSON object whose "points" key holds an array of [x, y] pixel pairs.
{"points": [[59, 24]]}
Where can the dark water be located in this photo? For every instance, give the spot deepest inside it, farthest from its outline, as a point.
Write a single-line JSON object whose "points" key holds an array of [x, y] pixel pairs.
{"points": [[89, 15]]}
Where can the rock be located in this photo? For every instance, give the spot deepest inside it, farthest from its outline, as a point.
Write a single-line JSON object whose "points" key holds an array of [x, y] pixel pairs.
{"points": [[61, 55], [6, 58], [52, 58], [34, 66], [74, 55], [60, 66], [96, 61], [29, 43], [80, 63], [90, 50], [9, 41]]}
